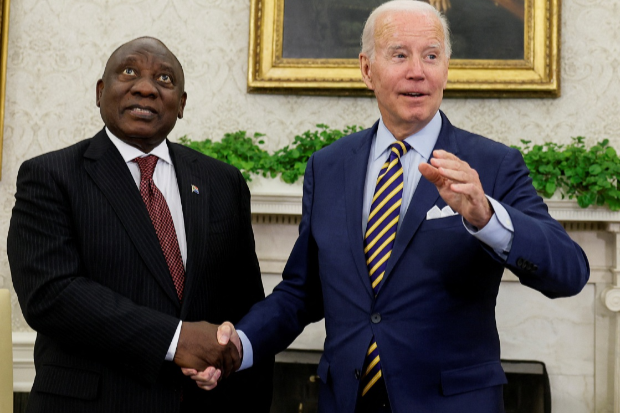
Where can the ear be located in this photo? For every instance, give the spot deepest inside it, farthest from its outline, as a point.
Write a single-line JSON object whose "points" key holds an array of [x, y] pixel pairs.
{"points": [[99, 92], [366, 69], [182, 105]]}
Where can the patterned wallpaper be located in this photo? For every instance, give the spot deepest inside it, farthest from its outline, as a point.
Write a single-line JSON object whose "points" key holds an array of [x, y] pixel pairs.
{"points": [[57, 50]]}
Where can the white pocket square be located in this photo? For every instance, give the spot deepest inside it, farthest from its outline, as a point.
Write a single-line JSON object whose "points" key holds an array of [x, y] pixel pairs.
{"points": [[435, 212]]}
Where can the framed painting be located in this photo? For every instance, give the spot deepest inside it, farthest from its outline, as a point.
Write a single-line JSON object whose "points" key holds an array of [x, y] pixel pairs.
{"points": [[500, 48], [4, 45]]}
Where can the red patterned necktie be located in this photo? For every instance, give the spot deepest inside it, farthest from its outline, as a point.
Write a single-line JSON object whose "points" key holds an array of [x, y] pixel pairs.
{"points": [[162, 221]]}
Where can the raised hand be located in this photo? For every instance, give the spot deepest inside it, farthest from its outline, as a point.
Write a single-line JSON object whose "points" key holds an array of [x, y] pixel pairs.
{"points": [[199, 349], [459, 185], [208, 379]]}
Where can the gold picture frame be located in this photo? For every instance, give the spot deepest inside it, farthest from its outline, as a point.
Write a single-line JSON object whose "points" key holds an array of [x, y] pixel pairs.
{"points": [[536, 75], [4, 46]]}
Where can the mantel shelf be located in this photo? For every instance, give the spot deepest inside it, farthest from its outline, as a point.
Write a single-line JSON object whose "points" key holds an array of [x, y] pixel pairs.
{"points": [[562, 210]]}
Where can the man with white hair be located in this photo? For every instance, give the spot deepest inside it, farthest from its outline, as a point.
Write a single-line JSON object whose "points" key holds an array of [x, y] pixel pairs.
{"points": [[406, 230]]}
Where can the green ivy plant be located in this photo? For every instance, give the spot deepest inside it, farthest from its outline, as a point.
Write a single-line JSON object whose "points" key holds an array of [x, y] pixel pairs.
{"points": [[589, 175], [237, 149], [245, 152]]}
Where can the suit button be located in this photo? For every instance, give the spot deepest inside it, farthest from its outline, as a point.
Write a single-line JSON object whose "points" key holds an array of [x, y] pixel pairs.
{"points": [[358, 374], [520, 263], [375, 318]]}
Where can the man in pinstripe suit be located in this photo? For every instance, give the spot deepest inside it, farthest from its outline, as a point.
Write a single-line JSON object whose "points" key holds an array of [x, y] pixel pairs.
{"points": [[92, 277]]}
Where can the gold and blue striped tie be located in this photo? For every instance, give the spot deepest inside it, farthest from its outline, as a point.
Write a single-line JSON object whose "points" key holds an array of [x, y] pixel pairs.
{"points": [[379, 240]]}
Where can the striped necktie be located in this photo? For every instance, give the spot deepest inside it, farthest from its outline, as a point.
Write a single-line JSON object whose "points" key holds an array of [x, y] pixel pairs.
{"points": [[379, 240]]}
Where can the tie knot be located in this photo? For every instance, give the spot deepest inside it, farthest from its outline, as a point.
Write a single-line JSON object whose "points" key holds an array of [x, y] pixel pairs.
{"points": [[400, 148], [146, 165]]}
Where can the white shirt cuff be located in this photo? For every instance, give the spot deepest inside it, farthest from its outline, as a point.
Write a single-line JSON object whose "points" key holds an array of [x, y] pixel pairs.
{"points": [[499, 231], [173, 346], [248, 353]]}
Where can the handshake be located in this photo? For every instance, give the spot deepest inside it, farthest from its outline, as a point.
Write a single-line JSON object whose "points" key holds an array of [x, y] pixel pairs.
{"points": [[208, 353]]}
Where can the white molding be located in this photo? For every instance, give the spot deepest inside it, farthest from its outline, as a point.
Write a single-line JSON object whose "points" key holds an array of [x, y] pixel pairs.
{"points": [[561, 210], [569, 210], [23, 361], [276, 204]]}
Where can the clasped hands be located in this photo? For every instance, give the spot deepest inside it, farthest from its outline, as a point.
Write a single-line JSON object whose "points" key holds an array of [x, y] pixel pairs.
{"points": [[208, 353]]}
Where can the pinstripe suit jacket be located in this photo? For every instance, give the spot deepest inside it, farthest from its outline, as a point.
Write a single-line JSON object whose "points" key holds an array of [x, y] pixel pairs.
{"points": [[92, 281]]}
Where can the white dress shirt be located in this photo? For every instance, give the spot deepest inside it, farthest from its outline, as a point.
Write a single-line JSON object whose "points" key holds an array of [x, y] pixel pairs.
{"points": [[165, 179]]}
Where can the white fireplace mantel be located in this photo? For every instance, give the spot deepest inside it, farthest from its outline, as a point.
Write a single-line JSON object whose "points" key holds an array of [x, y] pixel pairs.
{"points": [[595, 339], [289, 203], [596, 336]]}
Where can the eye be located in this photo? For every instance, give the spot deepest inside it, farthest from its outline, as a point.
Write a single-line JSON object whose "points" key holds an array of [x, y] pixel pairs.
{"points": [[165, 78], [129, 71], [432, 56]]}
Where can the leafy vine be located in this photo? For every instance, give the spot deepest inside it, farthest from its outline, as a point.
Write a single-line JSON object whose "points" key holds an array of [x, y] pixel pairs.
{"points": [[589, 175]]}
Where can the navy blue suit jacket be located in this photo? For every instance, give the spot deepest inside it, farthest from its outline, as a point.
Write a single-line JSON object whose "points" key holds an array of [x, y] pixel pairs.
{"points": [[435, 314]]}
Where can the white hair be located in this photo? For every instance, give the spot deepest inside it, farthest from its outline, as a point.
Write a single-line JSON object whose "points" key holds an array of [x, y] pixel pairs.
{"points": [[368, 35]]}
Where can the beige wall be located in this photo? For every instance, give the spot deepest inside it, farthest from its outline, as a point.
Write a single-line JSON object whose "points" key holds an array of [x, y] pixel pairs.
{"points": [[57, 49]]}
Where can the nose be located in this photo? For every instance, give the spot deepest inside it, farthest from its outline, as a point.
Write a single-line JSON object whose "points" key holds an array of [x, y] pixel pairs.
{"points": [[415, 69], [145, 87]]}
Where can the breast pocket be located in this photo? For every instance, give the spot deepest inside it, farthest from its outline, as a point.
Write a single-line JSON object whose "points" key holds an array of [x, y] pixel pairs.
{"points": [[442, 223]]}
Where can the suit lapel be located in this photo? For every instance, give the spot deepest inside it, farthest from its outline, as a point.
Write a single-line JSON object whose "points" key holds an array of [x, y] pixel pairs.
{"points": [[355, 166], [423, 199], [195, 215], [109, 171]]}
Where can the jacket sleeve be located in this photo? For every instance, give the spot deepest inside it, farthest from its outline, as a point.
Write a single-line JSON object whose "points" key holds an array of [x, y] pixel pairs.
{"points": [[57, 297], [273, 324], [542, 255]]}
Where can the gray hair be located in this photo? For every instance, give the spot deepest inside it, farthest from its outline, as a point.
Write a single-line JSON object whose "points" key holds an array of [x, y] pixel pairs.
{"points": [[368, 35]]}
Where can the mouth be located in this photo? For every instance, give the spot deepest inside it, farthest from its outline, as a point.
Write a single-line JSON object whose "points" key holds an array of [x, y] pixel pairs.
{"points": [[414, 94], [141, 112]]}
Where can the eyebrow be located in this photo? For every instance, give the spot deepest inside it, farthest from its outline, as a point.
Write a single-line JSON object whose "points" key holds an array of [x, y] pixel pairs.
{"points": [[161, 65]]}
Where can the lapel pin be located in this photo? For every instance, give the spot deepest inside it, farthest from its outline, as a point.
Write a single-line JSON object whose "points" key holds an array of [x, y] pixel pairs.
{"points": [[195, 190]]}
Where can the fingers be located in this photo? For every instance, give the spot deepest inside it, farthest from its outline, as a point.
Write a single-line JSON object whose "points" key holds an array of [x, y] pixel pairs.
{"points": [[452, 168], [207, 379], [189, 372]]}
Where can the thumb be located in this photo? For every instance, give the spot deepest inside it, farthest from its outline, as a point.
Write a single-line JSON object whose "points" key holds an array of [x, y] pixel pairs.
{"points": [[430, 172], [224, 332]]}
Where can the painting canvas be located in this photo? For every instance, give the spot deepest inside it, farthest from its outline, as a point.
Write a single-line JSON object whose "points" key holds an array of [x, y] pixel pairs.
{"points": [[500, 47], [328, 29]]}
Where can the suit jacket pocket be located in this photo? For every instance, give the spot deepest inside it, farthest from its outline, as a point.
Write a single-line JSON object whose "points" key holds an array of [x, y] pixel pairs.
{"points": [[68, 382], [439, 223], [471, 378]]}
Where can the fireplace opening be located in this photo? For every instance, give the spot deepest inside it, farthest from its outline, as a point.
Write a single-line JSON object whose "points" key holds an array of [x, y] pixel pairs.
{"points": [[296, 384]]}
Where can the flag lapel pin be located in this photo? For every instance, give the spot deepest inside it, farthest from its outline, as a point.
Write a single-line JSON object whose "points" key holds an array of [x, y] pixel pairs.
{"points": [[195, 190]]}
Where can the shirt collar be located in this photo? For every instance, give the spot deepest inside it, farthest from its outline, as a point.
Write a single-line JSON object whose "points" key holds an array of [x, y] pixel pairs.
{"points": [[422, 142], [129, 153]]}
